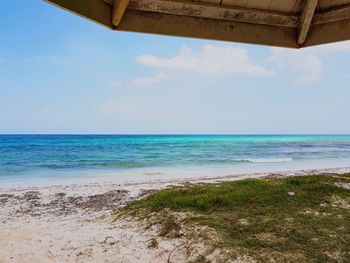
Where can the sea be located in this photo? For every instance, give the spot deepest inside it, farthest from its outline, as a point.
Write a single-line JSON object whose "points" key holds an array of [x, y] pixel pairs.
{"points": [[27, 160]]}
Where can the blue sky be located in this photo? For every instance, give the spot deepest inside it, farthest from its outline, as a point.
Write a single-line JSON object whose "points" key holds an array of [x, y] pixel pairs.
{"points": [[63, 74]]}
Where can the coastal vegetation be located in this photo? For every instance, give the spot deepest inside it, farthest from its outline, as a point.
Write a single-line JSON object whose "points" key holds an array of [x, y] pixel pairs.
{"points": [[275, 219]]}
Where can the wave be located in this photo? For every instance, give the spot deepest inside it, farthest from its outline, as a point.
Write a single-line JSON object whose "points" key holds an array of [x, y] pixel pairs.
{"points": [[87, 164], [269, 160], [249, 160]]}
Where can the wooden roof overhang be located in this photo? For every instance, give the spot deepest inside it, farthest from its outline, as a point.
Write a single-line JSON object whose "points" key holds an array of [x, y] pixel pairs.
{"points": [[284, 23]]}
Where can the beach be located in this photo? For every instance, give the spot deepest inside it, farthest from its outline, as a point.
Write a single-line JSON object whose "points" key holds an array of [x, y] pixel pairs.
{"points": [[133, 148], [76, 222]]}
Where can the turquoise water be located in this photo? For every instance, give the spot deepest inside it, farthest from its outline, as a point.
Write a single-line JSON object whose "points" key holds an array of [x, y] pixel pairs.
{"points": [[34, 158]]}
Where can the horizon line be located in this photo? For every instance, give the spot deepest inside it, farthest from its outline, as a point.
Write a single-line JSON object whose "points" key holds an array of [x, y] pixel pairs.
{"points": [[170, 134]]}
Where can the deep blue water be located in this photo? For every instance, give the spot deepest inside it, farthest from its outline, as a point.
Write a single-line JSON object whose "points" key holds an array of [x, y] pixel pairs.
{"points": [[51, 156]]}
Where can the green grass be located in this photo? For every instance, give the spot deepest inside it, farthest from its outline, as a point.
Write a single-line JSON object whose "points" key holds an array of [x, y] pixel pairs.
{"points": [[259, 219]]}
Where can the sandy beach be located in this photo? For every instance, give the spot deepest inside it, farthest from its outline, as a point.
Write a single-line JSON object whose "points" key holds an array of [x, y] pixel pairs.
{"points": [[75, 223]]}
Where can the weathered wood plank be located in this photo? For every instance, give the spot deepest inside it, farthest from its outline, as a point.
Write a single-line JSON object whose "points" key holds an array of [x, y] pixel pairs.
{"points": [[94, 10], [305, 20], [332, 15], [328, 33], [187, 26], [213, 11]]}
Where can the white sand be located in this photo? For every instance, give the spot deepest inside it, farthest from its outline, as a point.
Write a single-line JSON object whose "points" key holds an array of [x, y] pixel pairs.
{"points": [[74, 223]]}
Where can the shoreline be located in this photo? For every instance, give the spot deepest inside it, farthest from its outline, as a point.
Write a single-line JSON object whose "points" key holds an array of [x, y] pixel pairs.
{"points": [[91, 200], [180, 180], [75, 223], [156, 174]]}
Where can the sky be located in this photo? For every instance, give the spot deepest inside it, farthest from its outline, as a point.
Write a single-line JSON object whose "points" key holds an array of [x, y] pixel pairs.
{"points": [[60, 73]]}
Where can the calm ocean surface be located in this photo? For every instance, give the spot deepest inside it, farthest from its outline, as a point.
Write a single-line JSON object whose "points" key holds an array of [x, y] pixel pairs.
{"points": [[30, 159]]}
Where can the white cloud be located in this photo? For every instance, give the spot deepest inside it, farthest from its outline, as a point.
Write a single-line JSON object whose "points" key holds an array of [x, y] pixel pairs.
{"points": [[306, 63], [150, 80], [307, 66], [209, 59]]}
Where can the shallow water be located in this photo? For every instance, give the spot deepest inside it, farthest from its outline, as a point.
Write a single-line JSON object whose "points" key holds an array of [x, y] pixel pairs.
{"points": [[38, 158]]}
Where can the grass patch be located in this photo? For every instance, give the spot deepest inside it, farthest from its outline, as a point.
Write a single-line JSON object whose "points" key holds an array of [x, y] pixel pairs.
{"points": [[258, 218]]}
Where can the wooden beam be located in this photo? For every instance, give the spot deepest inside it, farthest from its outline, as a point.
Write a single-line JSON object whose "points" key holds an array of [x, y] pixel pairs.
{"points": [[188, 26], [330, 16], [94, 10], [119, 8], [215, 11], [306, 19]]}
